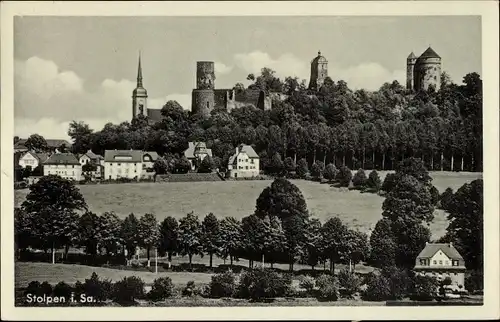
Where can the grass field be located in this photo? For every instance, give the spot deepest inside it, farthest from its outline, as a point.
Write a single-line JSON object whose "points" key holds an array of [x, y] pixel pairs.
{"points": [[237, 198]]}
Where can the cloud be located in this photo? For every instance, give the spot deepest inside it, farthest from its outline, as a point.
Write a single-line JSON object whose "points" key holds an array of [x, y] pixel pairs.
{"points": [[369, 76], [222, 69], [183, 99]]}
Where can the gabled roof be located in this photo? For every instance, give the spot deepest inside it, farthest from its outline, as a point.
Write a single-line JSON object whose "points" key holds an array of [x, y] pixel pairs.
{"points": [[41, 157], [153, 154], [52, 143], [92, 155], [243, 148], [62, 158], [411, 55], [134, 156], [189, 153], [429, 53], [431, 249]]}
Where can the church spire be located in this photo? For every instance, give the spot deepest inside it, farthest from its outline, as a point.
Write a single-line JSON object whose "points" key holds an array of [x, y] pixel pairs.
{"points": [[139, 72]]}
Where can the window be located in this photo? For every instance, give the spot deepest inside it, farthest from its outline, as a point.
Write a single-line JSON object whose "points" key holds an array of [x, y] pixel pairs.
{"points": [[440, 262], [119, 164], [422, 262], [246, 167], [434, 262], [455, 274], [251, 161]]}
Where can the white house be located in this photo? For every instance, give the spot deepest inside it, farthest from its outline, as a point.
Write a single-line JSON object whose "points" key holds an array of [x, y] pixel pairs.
{"points": [[32, 159], [244, 162], [148, 161], [95, 159], [196, 152], [442, 261], [123, 164], [65, 165]]}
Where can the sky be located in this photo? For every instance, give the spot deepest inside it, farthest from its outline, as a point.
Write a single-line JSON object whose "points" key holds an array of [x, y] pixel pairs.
{"points": [[85, 68]]}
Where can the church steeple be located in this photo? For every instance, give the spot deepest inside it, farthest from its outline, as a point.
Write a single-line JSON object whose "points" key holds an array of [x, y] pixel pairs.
{"points": [[139, 73], [139, 95]]}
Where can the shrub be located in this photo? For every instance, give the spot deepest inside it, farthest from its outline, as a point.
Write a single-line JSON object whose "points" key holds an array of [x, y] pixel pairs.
{"points": [[327, 288], [307, 283], [33, 288], [302, 168], [373, 181], [378, 288], [446, 198], [63, 289], [389, 182], [46, 288], [344, 176], [400, 281], [189, 289], [434, 195], [128, 290], [424, 288], [100, 290], [474, 281], [162, 288], [330, 172], [359, 180], [317, 169], [349, 283], [79, 288], [222, 285], [260, 284]]}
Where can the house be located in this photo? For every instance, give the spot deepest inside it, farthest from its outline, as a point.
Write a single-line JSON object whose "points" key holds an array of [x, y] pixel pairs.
{"points": [[65, 165], [196, 152], [123, 164], [442, 261], [148, 161], [53, 144], [32, 159], [244, 163], [93, 159]]}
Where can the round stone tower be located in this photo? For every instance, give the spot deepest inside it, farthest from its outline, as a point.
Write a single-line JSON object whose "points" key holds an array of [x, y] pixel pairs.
{"points": [[427, 71], [203, 97], [319, 71], [410, 65]]}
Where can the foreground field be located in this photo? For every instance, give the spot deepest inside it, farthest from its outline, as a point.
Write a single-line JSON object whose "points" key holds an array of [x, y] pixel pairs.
{"points": [[237, 199]]}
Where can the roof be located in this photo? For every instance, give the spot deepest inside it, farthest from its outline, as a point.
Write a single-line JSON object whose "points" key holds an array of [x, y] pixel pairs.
{"points": [[243, 148], [153, 154], [62, 158], [41, 157], [52, 143], [154, 114], [189, 153], [319, 59], [429, 53], [134, 156], [92, 155], [140, 91], [431, 249], [411, 55]]}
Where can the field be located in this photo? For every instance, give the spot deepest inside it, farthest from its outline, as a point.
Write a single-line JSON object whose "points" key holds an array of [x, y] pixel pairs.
{"points": [[237, 199]]}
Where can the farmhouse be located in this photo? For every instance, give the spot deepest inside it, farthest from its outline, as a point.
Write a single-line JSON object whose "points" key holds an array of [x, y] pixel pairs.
{"points": [[243, 163], [122, 164], [441, 261], [65, 165], [196, 152], [32, 159], [96, 160]]}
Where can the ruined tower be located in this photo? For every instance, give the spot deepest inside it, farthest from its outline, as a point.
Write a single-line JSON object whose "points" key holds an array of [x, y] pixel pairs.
{"points": [[410, 65], [427, 71], [203, 97], [139, 95], [319, 71]]}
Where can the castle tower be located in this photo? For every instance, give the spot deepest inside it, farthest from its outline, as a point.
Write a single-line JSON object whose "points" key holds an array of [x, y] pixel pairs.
{"points": [[410, 65], [319, 71], [203, 97], [139, 95], [427, 71]]}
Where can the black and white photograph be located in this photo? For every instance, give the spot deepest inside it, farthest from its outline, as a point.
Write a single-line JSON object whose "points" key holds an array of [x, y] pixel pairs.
{"points": [[231, 159]]}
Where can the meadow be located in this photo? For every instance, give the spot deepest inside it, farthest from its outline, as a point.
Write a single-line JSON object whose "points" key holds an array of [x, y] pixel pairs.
{"points": [[237, 199]]}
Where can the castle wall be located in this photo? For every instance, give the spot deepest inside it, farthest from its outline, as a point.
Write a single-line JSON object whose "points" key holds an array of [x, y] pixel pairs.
{"points": [[203, 101], [427, 72]]}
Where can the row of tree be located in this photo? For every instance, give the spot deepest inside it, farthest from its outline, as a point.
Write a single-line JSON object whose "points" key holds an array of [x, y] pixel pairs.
{"points": [[336, 125]]}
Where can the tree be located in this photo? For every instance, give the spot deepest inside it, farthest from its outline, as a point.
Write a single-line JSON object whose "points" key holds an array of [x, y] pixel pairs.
{"points": [[182, 165], [110, 227], [389, 182], [424, 288], [466, 223], [313, 242], [373, 181], [148, 233], [276, 167], [295, 228], [349, 283], [317, 169], [54, 202], [89, 232], [446, 199], [330, 172], [382, 245], [356, 248], [289, 165], [359, 180], [210, 235], [277, 240], [82, 136], [230, 238], [334, 233], [169, 235], [344, 176], [130, 234], [206, 165], [36, 143], [190, 237], [160, 166], [302, 168]]}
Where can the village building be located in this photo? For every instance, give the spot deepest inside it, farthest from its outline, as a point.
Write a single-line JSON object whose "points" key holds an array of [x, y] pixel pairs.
{"points": [[244, 163], [442, 261], [32, 159], [122, 164], [53, 145], [90, 158], [196, 152], [65, 165], [148, 161]]}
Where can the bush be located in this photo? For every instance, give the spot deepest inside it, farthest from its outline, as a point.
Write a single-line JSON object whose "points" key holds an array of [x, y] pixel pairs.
{"points": [[33, 288], [373, 181], [330, 172], [434, 195], [344, 176], [223, 285], [162, 288], [79, 289], [378, 288], [189, 290], [446, 198], [46, 289], [349, 283], [261, 284], [128, 290], [302, 168], [424, 288], [327, 288], [100, 290], [317, 169], [307, 283], [400, 281], [359, 180], [474, 281], [389, 182], [63, 289]]}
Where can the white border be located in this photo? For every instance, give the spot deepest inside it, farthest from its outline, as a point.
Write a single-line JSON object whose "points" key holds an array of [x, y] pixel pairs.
{"points": [[490, 53]]}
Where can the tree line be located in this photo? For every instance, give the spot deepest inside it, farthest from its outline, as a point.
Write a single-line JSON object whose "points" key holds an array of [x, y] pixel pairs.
{"points": [[358, 129]]}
